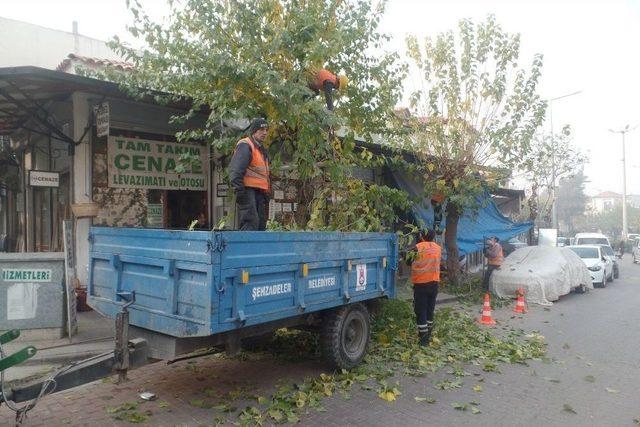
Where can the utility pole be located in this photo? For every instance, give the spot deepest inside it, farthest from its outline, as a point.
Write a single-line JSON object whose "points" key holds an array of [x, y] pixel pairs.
{"points": [[554, 210], [623, 132]]}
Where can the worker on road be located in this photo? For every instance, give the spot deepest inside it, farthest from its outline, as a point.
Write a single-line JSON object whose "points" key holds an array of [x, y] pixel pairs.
{"points": [[425, 275], [249, 176], [495, 256]]}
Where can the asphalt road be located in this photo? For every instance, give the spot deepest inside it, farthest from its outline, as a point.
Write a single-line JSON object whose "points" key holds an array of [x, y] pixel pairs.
{"points": [[594, 346]]}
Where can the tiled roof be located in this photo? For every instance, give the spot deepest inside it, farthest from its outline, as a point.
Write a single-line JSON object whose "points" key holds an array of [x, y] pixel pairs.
{"points": [[72, 58], [607, 195]]}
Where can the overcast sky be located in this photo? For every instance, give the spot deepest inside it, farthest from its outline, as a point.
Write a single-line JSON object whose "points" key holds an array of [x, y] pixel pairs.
{"points": [[589, 46]]}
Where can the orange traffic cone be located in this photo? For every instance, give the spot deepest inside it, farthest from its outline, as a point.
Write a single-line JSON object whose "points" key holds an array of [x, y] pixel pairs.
{"points": [[486, 318], [521, 307]]}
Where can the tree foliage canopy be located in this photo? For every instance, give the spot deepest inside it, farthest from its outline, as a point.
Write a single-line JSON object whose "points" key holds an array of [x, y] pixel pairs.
{"points": [[476, 110], [551, 156], [240, 59]]}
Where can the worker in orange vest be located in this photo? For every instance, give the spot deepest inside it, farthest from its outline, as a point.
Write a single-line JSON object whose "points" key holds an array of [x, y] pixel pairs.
{"points": [[249, 176], [425, 275], [327, 82], [495, 255]]}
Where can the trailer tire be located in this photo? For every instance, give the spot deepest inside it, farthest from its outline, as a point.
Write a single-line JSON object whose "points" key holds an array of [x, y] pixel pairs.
{"points": [[345, 336]]}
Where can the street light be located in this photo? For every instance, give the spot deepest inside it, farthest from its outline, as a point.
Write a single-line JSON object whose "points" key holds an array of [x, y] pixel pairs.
{"points": [[554, 211], [623, 132]]}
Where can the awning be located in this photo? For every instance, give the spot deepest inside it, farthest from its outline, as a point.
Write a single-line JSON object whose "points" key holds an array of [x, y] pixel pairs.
{"points": [[26, 91]]}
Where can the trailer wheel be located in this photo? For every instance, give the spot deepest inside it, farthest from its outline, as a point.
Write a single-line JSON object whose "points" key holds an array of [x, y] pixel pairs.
{"points": [[345, 336]]}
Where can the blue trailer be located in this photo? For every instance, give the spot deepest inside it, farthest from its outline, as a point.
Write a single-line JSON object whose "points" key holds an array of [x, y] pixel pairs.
{"points": [[175, 292], [192, 289]]}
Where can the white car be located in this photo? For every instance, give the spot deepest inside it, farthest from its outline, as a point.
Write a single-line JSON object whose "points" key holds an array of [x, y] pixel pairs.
{"points": [[591, 239], [635, 253], [600, 267]]}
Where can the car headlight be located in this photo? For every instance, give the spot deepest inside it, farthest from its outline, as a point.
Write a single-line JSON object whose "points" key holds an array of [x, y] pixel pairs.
{"points": [[595, 268]]}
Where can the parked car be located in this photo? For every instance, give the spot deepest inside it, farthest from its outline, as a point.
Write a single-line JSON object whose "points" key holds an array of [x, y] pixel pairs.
{"points": [[610, 253], [562, 242], [600, 267], [512, 244], [635, 253], [591, 239], [544, 272]]}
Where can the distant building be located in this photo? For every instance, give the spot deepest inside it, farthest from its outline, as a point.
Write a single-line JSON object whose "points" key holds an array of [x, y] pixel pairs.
{"points": [[608, 200], [29, 44], [604, 201]]}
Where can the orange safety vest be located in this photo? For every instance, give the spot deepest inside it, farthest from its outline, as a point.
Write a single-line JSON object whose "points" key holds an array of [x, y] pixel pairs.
{"points": [[321, 77], [426, 268], [257, 173], [497, 260]]}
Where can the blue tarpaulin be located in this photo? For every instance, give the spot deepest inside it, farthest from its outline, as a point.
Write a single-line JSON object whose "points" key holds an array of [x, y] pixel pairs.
{"points": [[473, 229]]}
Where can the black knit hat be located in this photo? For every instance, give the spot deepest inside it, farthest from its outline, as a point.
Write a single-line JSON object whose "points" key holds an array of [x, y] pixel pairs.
{"points": [[256, 124]]}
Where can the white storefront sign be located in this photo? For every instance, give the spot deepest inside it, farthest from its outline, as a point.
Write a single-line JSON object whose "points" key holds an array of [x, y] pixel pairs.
{"points": [[145, 164], [44, 179]]}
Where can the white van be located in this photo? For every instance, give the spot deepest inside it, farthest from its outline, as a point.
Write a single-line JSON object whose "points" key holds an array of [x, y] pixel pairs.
{"points": [[591, 239]]}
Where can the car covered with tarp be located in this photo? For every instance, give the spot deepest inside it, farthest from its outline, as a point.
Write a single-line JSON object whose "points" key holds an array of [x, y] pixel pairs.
{"points": [[545, 273]]}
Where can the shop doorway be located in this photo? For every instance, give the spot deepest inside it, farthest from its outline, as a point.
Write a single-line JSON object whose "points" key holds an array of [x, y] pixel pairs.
{"points": [[185, 206]]}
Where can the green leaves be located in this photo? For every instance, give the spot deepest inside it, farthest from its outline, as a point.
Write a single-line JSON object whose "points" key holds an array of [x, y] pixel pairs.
{"points": [[237, 60], [476, 111]]}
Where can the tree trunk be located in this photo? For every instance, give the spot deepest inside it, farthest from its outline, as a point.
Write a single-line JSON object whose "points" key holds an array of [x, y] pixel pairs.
{"points": [[533, 211], [450, 240], [533, 202]]}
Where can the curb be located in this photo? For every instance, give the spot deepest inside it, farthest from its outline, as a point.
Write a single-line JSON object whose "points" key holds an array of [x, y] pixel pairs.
{"points": [[63, 359]]}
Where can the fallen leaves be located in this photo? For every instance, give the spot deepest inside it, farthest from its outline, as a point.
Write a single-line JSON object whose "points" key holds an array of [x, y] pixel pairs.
{"points": [[448, 385], [568, 408], [425, 399], [612, 390], [590, 379]]}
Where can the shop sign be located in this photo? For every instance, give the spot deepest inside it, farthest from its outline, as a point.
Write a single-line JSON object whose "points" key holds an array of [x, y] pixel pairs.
{"points": [[222, 190], [101, 113], [155, 217], [26, 275], [144, 164], [44, 179]]}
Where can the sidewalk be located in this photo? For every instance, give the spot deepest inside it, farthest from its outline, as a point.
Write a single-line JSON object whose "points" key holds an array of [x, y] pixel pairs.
{"points": [[95, 336]]}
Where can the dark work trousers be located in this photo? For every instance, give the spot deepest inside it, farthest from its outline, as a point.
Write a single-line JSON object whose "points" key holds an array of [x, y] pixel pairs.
{"points": [[424, 303], [252, 210], [487, 276]]}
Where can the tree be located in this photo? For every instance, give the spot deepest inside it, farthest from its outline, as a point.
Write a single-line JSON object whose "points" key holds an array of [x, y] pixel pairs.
{"points": [[572, 201], [240, 59], [476, 115], [549, 157], [609, 222]]}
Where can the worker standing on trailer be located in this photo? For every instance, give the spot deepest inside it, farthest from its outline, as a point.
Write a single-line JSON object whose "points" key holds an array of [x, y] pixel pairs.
{"points": [[425, 275], [249, 176]]}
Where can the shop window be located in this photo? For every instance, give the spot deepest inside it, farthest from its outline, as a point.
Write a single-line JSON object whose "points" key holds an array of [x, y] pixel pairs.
{"points": [[183, 207], [42, 205]]}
